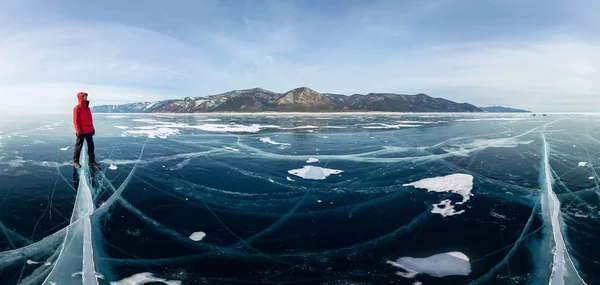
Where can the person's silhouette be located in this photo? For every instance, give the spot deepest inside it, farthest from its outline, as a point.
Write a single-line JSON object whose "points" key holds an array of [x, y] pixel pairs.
{"points": [[84, 130]]}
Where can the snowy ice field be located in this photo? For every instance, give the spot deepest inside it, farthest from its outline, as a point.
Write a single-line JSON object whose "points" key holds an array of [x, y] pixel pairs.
{"points": [[303, 199]]}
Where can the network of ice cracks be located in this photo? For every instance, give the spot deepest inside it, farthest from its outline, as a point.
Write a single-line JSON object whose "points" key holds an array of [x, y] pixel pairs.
{"points": [[72, 261]]}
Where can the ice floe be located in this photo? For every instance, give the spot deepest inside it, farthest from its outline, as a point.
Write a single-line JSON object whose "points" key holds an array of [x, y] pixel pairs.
{"points": [[439, 265], [197, 236], [314, 172], [270, 141], [458, 183], [311, 160], [144, 278]]}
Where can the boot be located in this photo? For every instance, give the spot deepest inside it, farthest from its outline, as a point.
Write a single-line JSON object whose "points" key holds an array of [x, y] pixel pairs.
{"points": [[94, 164], [76, 165]]}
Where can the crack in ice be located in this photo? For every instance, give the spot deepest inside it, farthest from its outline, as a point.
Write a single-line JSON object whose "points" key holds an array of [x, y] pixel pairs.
{"points": [[561, 262]]}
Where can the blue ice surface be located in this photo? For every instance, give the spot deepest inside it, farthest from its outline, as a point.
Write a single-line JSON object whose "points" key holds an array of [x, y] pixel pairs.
{"points": [[531, 218]]}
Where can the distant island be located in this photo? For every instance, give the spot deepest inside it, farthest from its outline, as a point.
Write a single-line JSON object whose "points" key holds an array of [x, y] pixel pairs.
{"points": [[500, 109], [297, 100]]}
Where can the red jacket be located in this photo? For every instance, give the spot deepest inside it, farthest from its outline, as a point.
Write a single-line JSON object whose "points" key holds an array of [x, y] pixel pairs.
{"points": [[82, 116]]}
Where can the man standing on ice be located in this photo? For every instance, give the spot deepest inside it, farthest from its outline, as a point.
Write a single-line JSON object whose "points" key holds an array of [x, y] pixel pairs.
{"points": [[84, 129]]}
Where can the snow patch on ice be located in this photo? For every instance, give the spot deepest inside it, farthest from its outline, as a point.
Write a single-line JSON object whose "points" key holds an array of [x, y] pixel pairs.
{"points": [[311, 160], [145, 120], [64, 148], [420, 122], [32, 262], [314, 172], [17, 162], [458, 183], [121, 127], [445, 208], [310, 127], [591, 177], [231, 148], [289, 179], [490, 119], [143, 278], [503, 143], [254, 128], [270, 141], [499, 216], [410, 274], [162, 133], [439, 265], [112, 167], [386, 126], [197, 236], [583, 163]]}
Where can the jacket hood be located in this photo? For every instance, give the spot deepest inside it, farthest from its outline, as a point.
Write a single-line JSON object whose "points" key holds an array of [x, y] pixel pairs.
{"points": [[80, 97]]}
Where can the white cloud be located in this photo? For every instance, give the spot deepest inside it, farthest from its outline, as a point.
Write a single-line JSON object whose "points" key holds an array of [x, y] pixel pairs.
{"points": [[119, 63], [60, 98]]}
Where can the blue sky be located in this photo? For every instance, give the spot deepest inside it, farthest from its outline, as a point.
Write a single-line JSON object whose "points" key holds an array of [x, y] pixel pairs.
{"points": [[538, 55]]}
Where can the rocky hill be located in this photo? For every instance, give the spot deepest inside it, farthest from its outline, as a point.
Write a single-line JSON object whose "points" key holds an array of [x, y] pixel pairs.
{"points": [[500, 109], [297, 100]]}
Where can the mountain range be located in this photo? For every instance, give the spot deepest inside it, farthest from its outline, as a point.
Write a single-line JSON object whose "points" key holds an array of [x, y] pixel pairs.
{"points": [[500, 109], [301, 99]]}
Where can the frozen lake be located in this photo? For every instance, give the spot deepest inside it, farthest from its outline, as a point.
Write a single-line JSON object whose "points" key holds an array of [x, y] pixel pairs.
{"points": [[303, 199]]}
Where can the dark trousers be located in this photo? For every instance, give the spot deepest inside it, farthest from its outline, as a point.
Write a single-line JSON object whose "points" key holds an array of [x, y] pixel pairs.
{"points": [[90, 147]]}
